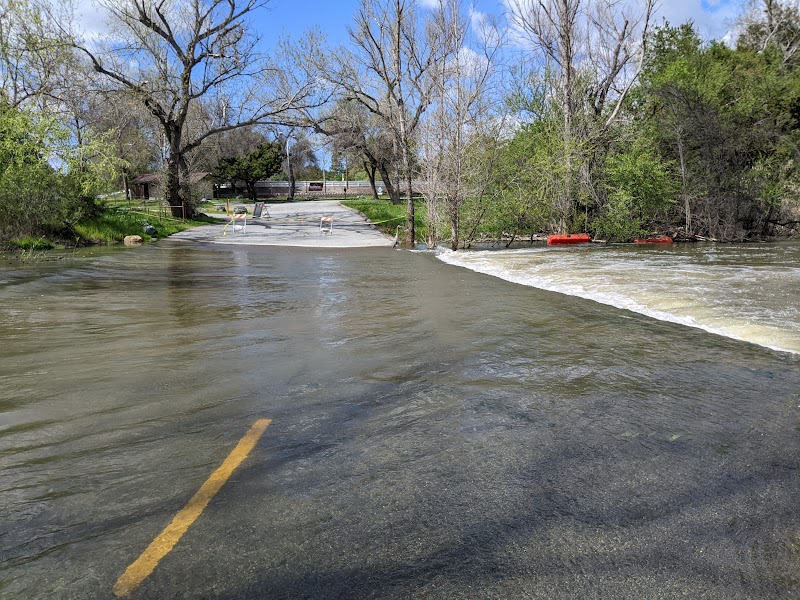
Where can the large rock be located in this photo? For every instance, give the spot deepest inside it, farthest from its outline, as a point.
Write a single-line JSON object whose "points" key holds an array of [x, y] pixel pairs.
{"points": [[132, 240], [150, 230]]}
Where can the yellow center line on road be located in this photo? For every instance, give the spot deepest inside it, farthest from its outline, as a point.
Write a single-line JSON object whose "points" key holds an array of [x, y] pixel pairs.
{"points": [[166, 540]]}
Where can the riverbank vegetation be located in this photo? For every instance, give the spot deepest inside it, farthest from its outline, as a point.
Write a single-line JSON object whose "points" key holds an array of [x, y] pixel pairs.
{"points": [[47, 185], [605, 123], [50, 189], [388, 216], [111, 226]]}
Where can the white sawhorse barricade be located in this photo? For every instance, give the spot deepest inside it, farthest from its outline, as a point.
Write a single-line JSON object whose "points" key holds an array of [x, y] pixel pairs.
{"points": [[239, 222], [326, 225]]}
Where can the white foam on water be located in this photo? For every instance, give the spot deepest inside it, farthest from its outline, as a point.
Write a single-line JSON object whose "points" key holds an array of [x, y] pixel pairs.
{"points": [[726, 291]]}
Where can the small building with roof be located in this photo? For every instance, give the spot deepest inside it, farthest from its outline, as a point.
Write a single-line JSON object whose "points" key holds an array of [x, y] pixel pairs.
{"points": [[149, 186]]}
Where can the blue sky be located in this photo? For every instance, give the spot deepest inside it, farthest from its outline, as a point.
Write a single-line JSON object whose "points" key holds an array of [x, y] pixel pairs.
{"points": [[295, 16], [713, 18]]}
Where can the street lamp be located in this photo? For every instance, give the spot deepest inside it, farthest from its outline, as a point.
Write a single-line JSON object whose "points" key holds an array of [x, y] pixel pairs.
{"points": [[289, 166], [345, 175]]}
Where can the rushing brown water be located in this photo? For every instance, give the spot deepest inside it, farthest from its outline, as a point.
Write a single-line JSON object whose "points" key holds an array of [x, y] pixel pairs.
{"points": [[435, 432], [749, 292]]}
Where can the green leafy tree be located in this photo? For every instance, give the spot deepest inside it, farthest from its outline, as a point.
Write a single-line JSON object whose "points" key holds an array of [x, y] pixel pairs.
{"points": [[533, 172], [36, 60], [262, 163], [728, 120], [588, 56], [641, 187], [47, 183]]}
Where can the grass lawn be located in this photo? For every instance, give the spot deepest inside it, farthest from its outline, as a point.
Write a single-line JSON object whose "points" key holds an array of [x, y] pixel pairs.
{"points": [[388, 216], [113, 225]]}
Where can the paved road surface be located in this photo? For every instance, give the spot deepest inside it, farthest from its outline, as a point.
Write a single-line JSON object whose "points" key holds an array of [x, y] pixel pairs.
{"points": [[294, 224]]}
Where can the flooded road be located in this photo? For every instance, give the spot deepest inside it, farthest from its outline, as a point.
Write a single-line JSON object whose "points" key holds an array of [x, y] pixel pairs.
{"points": [[435, 433]]}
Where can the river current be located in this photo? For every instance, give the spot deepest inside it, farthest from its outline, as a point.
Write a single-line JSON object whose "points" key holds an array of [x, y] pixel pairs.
{"points": [[436, 432], [748, 292]]}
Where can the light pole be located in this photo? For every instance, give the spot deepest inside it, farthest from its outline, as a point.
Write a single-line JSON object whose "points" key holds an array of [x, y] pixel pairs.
{"points": [[289, 168], [345, 176]]}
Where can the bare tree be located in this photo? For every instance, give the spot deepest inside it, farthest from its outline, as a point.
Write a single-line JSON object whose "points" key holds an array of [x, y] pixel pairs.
{"points": [[299, 156], [389, 72], [605, 37], [170, 55], [768, 23], [35, 53], [463, 115], [355, 131]]}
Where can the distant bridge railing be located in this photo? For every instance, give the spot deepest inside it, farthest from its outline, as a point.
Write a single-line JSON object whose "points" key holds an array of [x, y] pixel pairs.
{"points": [[277, 189]]}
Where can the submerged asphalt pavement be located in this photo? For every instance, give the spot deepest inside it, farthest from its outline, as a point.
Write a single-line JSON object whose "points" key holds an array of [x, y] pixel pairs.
{"points": [[293, 224], [241, 422]]}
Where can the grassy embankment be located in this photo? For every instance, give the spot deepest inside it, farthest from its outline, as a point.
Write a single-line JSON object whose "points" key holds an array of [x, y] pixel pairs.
{"points": [[113, 225], [115, 219], [388, 216]]}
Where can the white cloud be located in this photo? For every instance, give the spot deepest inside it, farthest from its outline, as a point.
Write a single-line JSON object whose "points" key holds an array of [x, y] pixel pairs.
{"points": [[713, 19], [91, 20], [470, 61], [477, 18]]}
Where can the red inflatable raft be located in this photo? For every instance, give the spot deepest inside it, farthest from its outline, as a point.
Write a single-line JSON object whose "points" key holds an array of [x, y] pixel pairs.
{"points": [[561, 239], [658, 240]]}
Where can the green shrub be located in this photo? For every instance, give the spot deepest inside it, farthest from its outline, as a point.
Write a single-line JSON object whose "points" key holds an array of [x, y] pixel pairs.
{"points": [[639, 186], [32, 243], [47, 184]]}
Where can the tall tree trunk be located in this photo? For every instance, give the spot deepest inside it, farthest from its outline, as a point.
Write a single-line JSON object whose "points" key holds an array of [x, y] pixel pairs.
{"points": [[410, 231], [394, 192], [186, 204], [432, 206], [291, 176], [568, 12], [684, 191], [370, 167], [454, 226], [172, 186], [125, 184], [176, 177]]}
